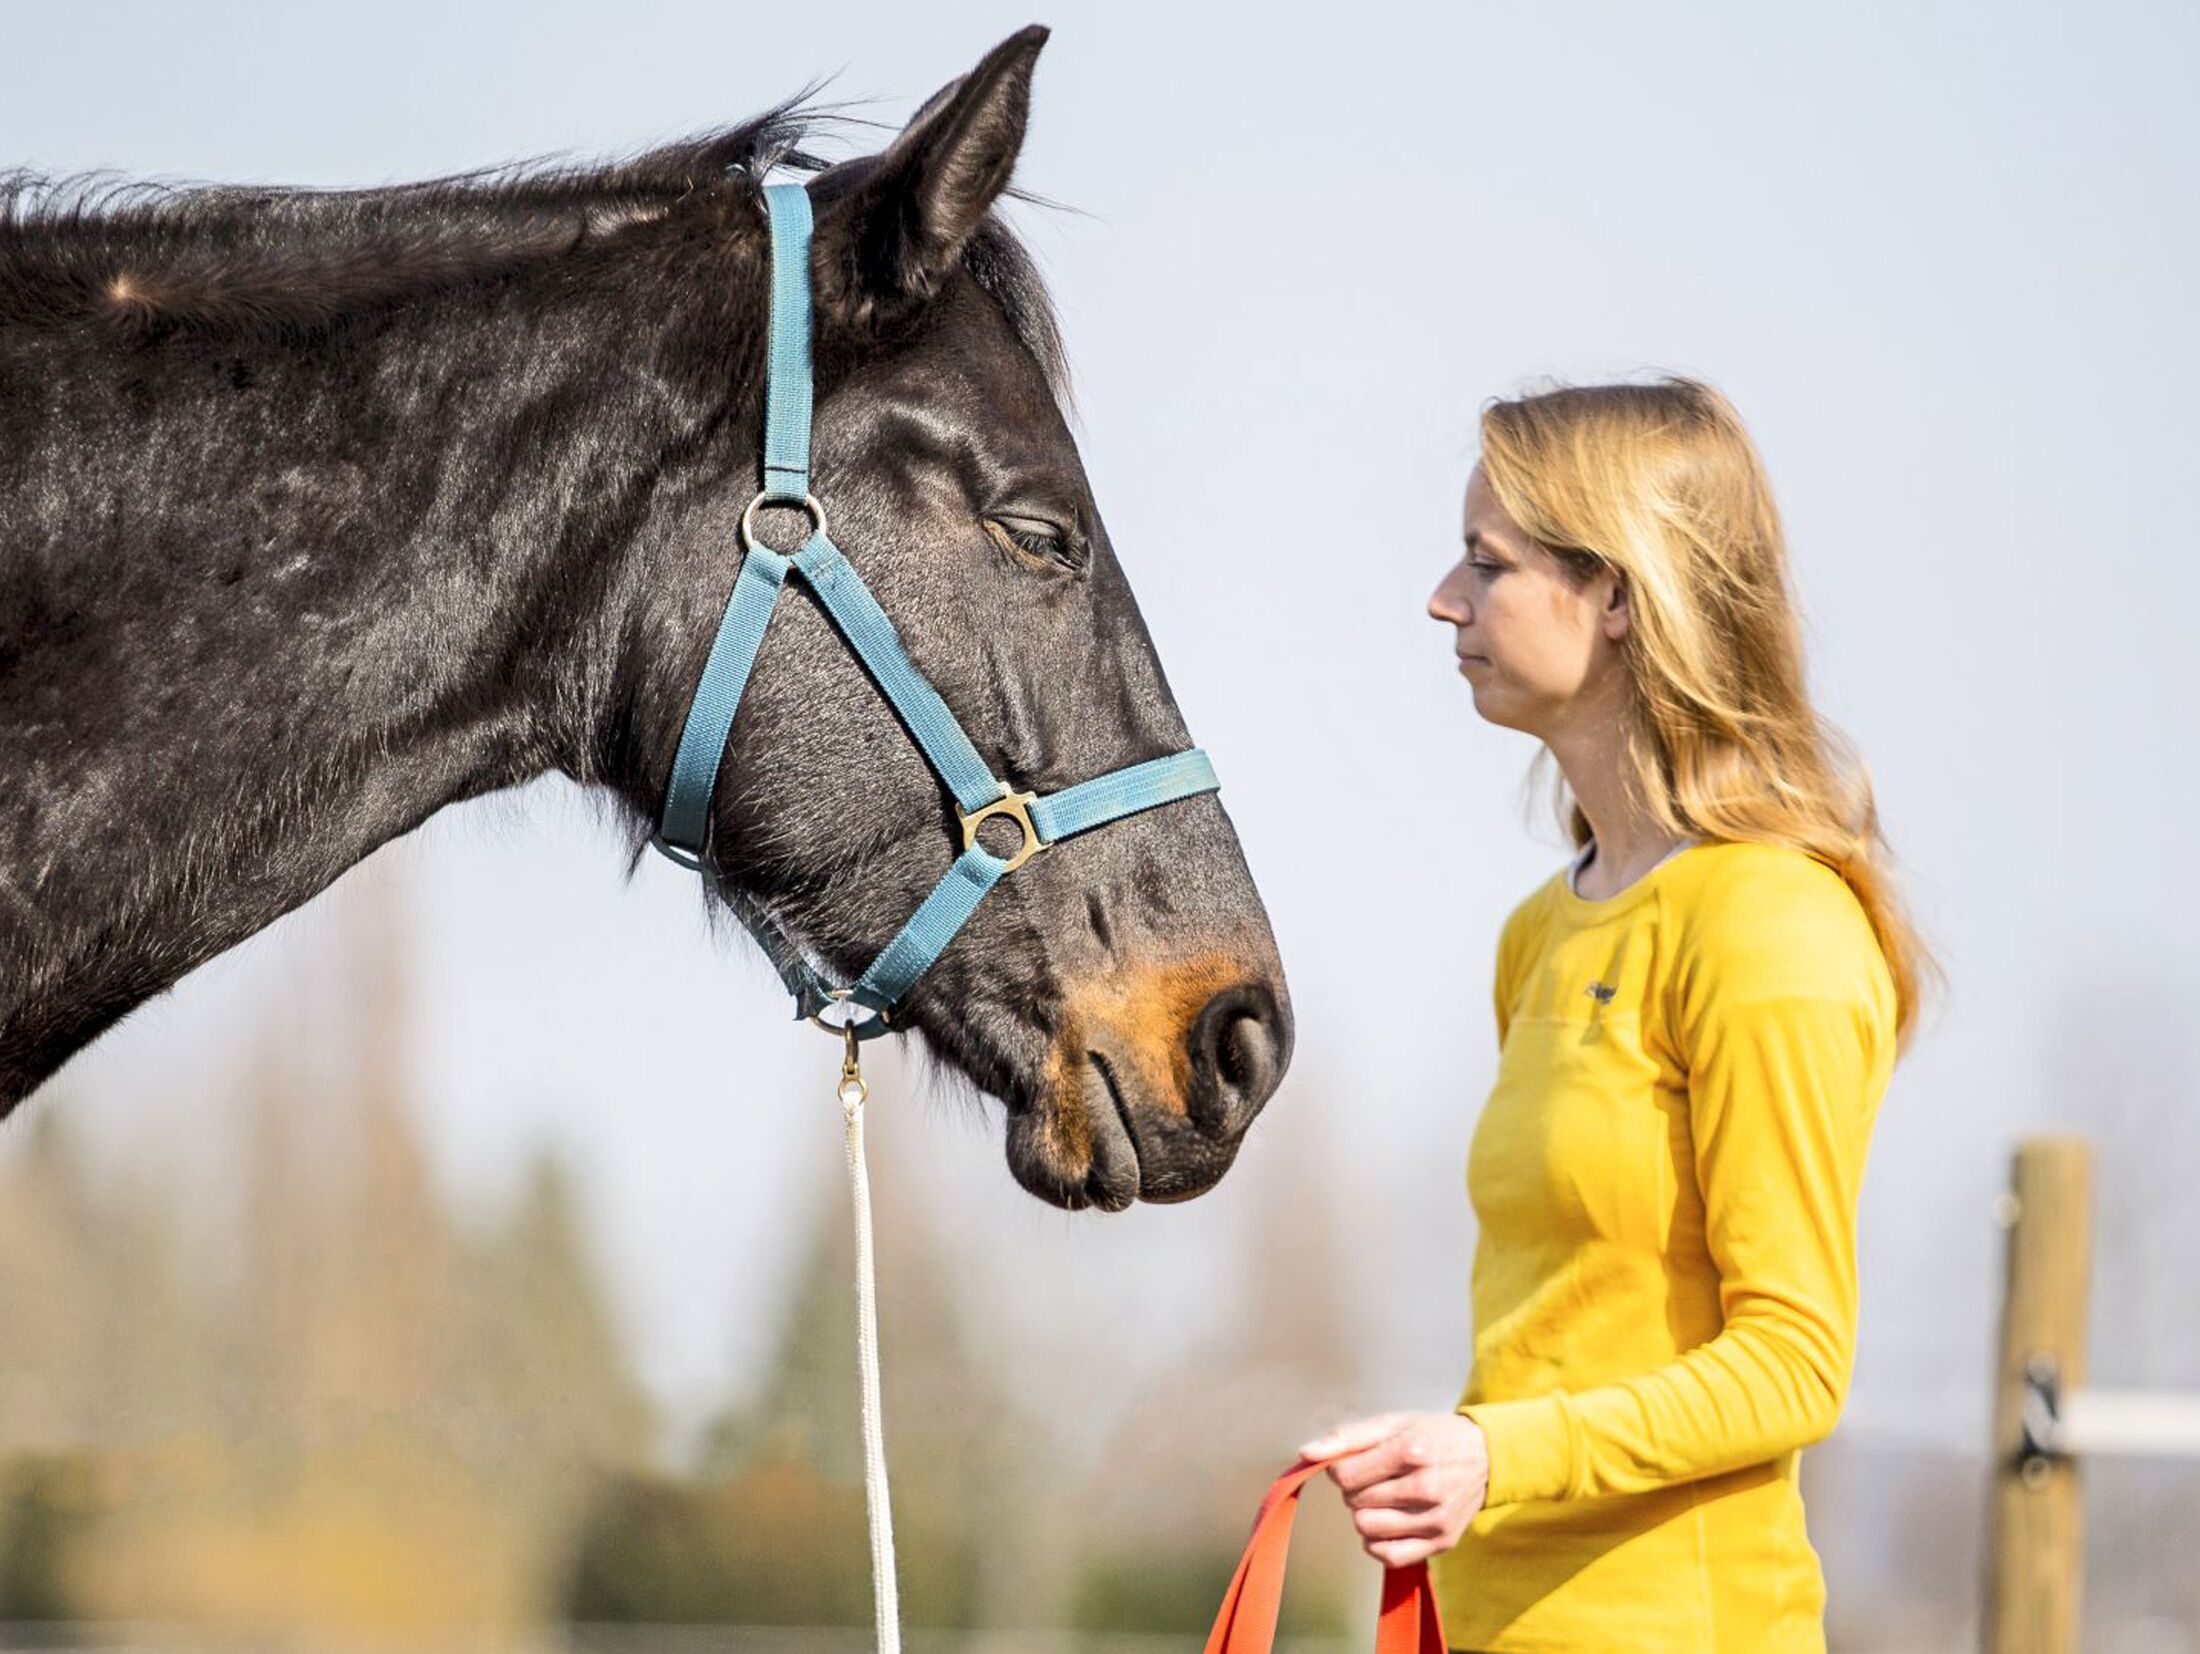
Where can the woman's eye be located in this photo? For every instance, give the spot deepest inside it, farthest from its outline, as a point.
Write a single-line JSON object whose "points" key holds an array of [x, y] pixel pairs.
{"points": [[1035, 537], [1485, 568]]}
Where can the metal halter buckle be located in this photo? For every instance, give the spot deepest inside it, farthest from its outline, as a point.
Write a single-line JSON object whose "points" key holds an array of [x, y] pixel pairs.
{"points": [[1017, 807]]}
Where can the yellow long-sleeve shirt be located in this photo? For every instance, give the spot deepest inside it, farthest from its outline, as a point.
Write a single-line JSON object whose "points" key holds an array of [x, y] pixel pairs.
{"points": [[1665, 1176]]}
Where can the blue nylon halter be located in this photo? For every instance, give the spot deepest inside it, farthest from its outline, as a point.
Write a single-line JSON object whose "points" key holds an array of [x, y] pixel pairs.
{"points": [[684, 833]]}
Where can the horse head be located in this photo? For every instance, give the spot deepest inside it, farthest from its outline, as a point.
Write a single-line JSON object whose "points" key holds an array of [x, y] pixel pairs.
{"points": [[1122, 993]]}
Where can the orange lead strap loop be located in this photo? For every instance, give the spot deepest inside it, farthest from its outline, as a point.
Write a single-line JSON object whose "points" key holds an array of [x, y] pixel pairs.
{"points": [[1247, 1623]]}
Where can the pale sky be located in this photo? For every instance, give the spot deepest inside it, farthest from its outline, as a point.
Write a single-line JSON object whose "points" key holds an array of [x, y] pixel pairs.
{"points": [[1942, 257]]}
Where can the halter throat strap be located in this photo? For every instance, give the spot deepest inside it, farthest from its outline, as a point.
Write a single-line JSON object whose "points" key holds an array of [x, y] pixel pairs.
{"points": [[684, 830]]}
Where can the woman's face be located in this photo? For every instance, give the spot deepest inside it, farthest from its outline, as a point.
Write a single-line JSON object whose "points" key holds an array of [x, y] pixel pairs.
{"points": [[1529, 639]]}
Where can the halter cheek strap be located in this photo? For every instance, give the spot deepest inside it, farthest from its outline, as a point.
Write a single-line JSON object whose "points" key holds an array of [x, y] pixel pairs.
{"points": [[980, 795]]}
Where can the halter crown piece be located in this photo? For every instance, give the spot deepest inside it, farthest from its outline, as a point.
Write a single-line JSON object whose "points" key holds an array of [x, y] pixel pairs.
{"points": [[980, 795]]}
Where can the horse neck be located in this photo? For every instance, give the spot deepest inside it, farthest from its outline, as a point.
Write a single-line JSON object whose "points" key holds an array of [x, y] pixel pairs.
{"points": [[283, 604]]}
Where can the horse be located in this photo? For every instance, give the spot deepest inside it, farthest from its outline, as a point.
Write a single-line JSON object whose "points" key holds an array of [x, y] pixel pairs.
{"points": [[323, 509]]}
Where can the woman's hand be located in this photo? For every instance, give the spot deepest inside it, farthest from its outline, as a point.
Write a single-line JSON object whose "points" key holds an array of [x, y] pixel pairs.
{"points": [[1413, 1480]]}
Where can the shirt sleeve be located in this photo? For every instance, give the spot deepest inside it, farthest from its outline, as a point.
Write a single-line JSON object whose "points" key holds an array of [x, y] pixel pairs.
{"points": [[1782, 1023]]}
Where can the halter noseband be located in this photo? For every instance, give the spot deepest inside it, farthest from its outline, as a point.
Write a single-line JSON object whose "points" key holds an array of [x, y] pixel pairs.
{"points": [[980, 795]]}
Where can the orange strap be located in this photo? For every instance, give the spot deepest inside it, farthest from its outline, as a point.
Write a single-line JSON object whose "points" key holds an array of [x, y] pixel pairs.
{"points": [[1247, 1623]]}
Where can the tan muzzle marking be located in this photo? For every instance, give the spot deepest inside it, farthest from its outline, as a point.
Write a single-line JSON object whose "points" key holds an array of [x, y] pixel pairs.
{"points": [[1139, 1020]]}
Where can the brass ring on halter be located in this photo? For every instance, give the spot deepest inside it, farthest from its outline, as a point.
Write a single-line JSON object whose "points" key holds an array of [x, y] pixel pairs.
{"points": [[787, 502], [1017, 808]]}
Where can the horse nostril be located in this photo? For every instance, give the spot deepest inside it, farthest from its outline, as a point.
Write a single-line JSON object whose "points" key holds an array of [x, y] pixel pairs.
{"points": [[1237, 1048]]}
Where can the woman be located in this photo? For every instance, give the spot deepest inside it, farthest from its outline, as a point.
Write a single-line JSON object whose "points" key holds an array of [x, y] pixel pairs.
{"points": [[1696, 1021]]}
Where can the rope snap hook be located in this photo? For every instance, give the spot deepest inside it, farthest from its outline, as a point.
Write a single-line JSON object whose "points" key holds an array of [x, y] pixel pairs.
{"points": [[852, 1089]]}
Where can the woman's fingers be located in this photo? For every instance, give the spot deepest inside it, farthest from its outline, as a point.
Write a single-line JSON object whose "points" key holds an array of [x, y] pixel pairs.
{"points": [[1409, 1490], [1403, 1553], [1354, 1437], [1396, 1455], [1397, 1538], [1386, 1522]]}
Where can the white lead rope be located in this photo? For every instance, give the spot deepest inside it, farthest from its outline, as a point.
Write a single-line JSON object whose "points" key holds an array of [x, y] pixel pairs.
{"points": [[876, 1502]]}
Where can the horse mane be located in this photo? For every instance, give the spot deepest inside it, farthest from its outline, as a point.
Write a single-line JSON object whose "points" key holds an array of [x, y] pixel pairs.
{"points": [[281, 260]]}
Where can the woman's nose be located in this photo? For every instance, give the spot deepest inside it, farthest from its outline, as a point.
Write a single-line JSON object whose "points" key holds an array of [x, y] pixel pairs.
{"points": [[1444, 605]]}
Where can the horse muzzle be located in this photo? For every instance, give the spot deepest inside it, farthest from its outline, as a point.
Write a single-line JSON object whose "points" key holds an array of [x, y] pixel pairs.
{"points": [[1150, 1086]]}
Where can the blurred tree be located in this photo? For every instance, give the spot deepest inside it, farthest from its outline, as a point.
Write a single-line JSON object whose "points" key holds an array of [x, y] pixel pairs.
{"points": [[775, 1532], [49, 1300], [407, 1415], [1166, 1518], [47, 1503], [539, 1377]]}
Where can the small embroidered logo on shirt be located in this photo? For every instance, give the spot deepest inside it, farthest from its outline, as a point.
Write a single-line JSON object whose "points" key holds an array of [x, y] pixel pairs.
{"points": [[1602, 992]]}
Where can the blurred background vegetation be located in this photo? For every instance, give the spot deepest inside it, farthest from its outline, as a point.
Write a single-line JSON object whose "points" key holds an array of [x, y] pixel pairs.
{"points": [[329, 1410]]}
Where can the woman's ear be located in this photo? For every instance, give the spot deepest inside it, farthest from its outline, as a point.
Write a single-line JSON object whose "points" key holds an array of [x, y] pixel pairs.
{"points": [[894, 225], [1619, 612]]}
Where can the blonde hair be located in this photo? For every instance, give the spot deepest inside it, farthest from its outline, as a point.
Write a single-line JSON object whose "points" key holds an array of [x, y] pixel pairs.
{"points": [[1660, 483]]}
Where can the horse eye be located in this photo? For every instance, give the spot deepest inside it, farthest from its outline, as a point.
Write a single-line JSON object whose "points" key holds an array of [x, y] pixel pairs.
{"points": [[1036, 537]]}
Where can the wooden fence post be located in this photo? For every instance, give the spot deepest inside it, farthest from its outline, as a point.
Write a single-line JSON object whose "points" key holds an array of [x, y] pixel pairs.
{"points": [[2035, 1537]]}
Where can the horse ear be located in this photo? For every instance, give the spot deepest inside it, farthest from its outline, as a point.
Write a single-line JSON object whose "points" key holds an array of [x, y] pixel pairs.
{"points": [[900, 232]]}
